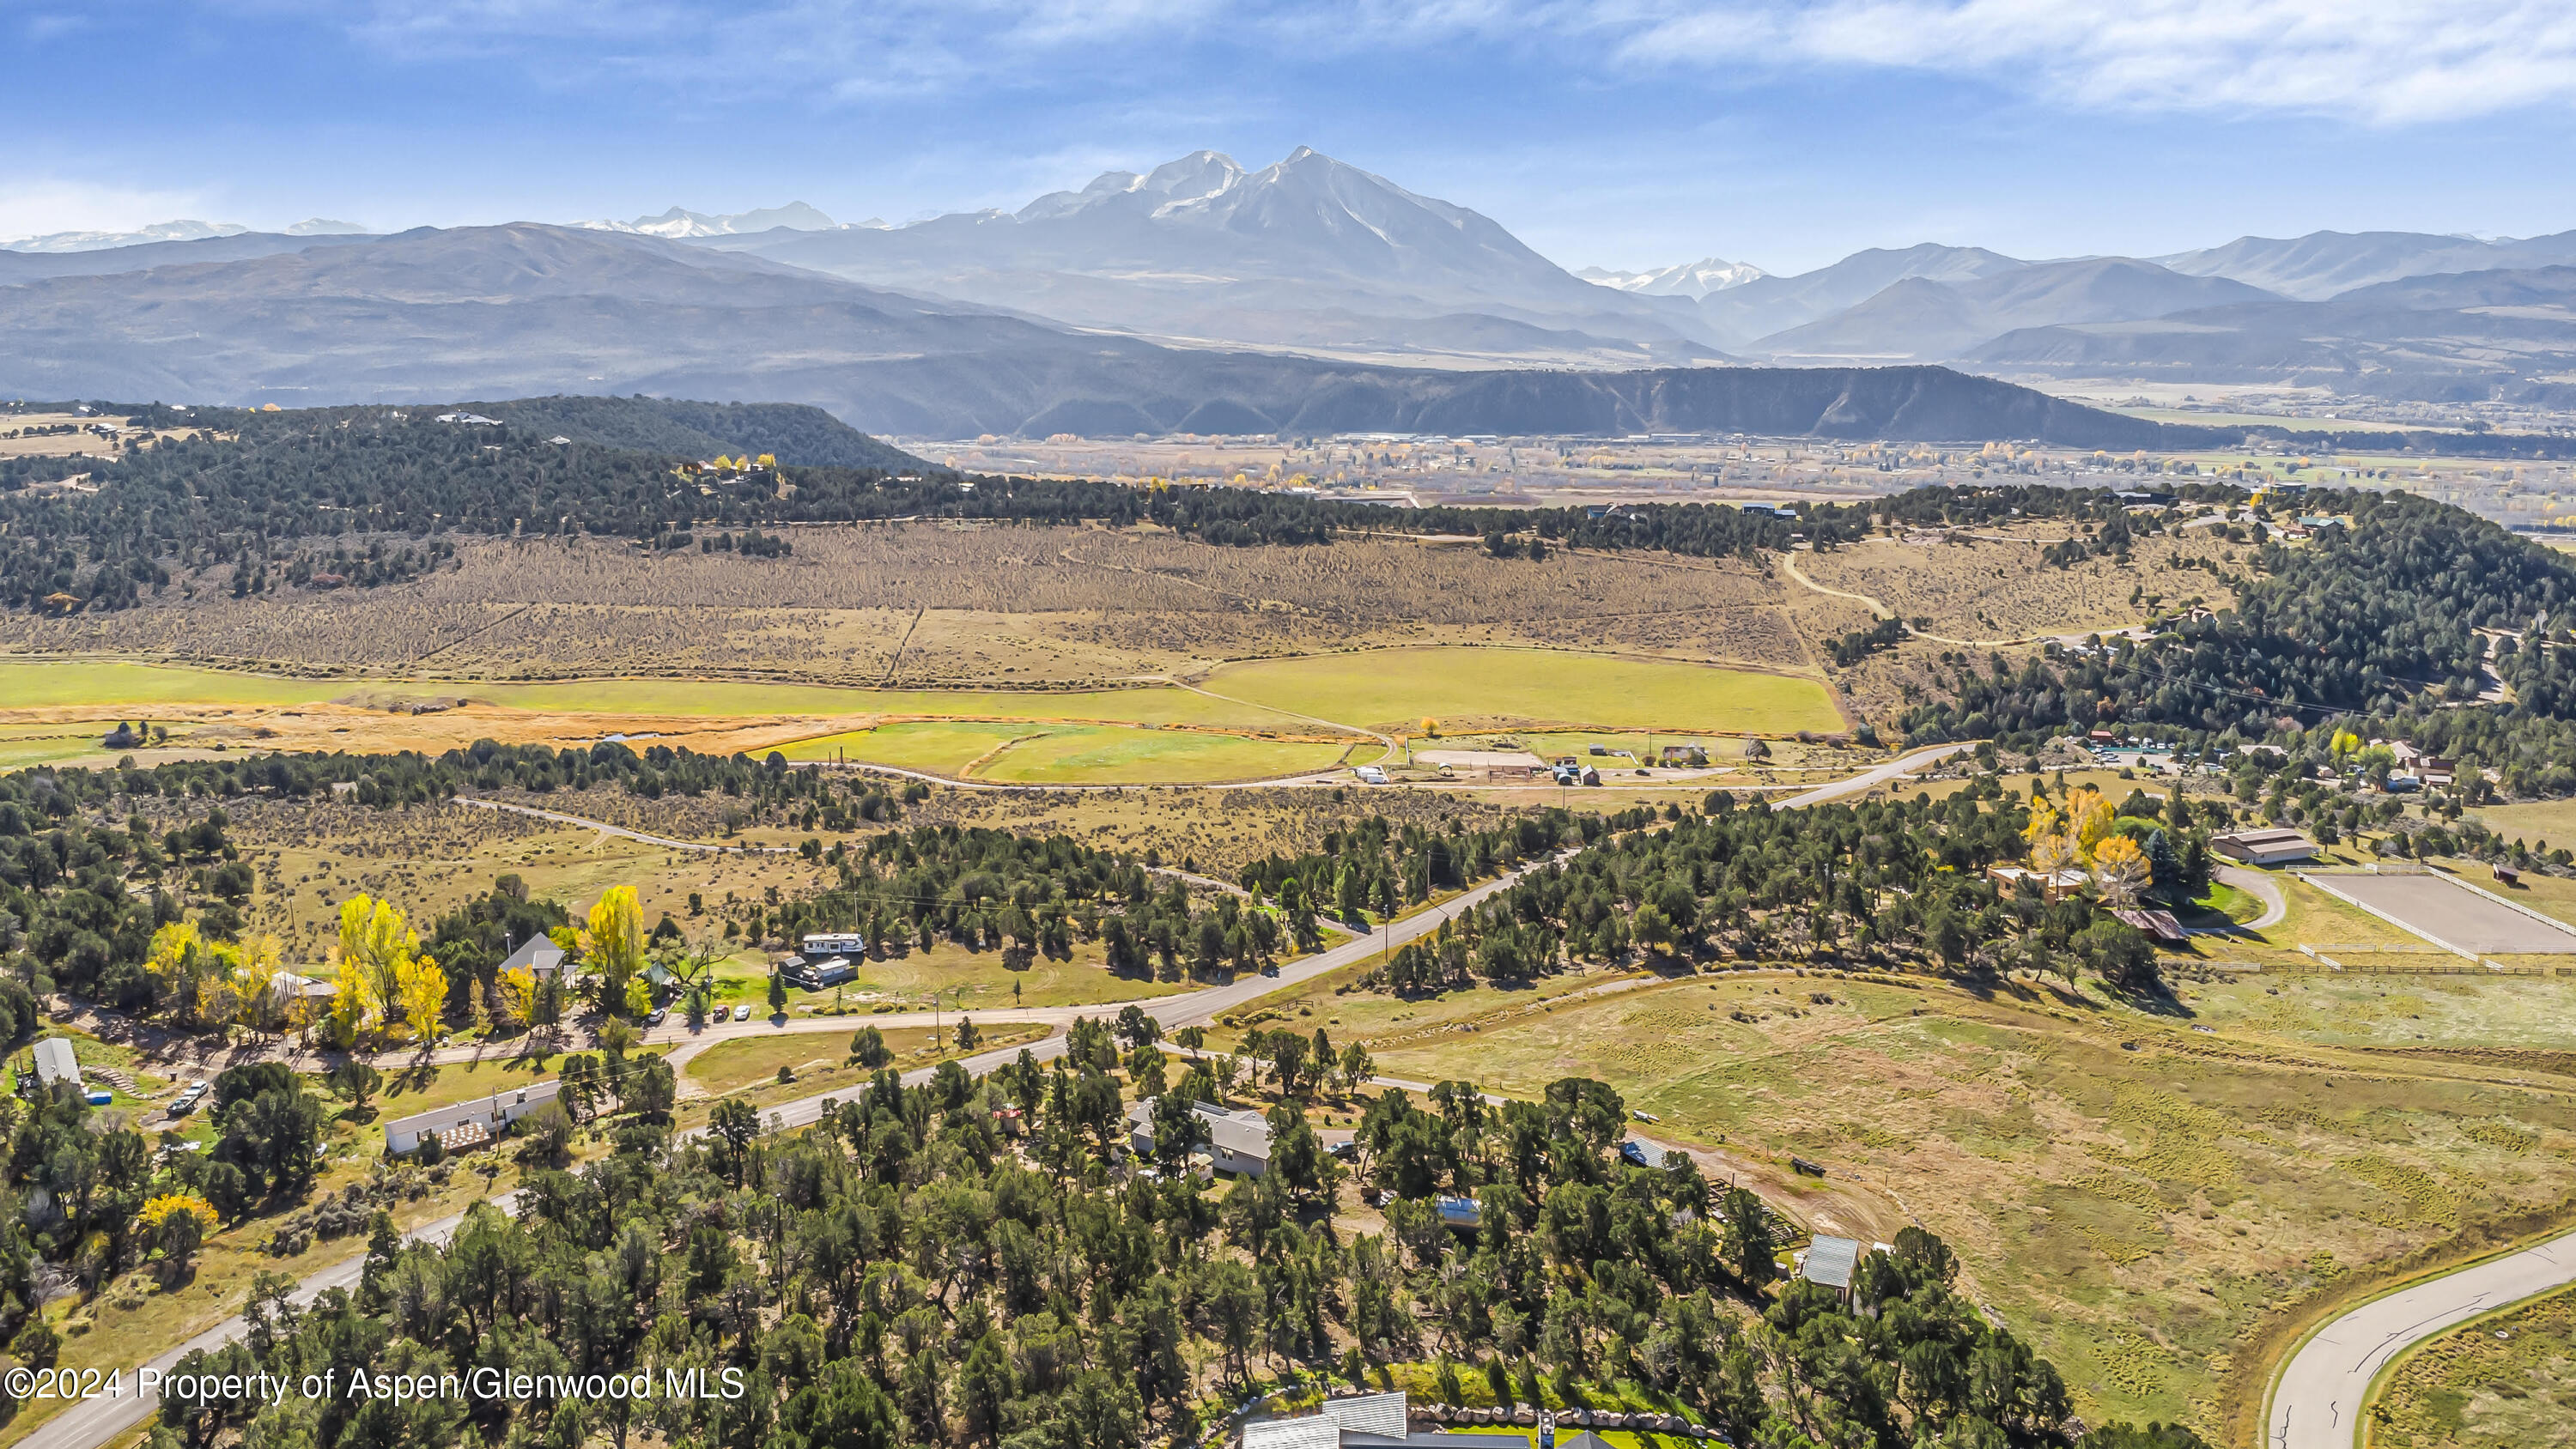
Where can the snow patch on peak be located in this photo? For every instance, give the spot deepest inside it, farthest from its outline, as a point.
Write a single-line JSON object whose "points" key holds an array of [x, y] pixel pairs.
{"points": [[1689, 279], [681, 224]]}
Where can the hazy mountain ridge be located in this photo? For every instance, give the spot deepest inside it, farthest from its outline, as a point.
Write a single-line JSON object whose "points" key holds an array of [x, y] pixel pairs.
{"points": [[529, 310], [91, 241], [1923, 318], [2324, 264], [1309, 257]]}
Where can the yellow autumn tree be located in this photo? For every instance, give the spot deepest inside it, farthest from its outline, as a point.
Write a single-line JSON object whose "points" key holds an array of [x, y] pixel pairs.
{"points": [[377, 947], [2121, 871], [614, 944], [240, 991], [519, 996], [2087, 821], [158, 1210], [178, 962], [2066, 839], [420, 990], [2050, 850]]}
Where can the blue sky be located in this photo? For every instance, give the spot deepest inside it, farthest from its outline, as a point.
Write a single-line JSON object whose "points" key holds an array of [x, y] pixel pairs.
{"points": [[1640, 132]]}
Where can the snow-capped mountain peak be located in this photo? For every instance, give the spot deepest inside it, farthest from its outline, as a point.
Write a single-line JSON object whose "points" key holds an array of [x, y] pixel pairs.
{"points": [[681, 224], [1689, 279]]}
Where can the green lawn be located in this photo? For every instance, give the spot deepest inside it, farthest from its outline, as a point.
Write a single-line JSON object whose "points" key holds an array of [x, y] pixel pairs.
{"points": [[29, 684], [2220, 899], [1394, 689], [942, 747]]}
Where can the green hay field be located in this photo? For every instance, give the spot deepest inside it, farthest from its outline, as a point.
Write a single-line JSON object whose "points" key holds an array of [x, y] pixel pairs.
{"points": [[1394, 689], [1097, 754], [1050, 754]]}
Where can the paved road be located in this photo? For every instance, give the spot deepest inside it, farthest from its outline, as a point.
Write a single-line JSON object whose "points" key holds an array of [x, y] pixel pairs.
{"points": [[2262, 888], [1870, 779], [2317, 1400]]}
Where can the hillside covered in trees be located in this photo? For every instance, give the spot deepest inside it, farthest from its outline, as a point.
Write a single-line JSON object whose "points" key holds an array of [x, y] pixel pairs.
{"points": [[365, 496], [2396, 619]]}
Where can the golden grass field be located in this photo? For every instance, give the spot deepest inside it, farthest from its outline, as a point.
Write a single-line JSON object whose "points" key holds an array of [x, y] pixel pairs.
{"points": [[1253, 720], [2136, 1197]]}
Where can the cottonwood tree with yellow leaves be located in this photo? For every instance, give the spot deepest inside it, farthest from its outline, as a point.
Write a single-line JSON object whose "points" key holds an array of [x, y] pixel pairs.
{"points": [[2067, 839], [385, 980], [614, 945], [212, 984], [2121, 871]]}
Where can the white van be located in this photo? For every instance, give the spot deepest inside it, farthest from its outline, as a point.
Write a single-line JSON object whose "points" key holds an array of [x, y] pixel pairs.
{"points": [[1371, 775]]}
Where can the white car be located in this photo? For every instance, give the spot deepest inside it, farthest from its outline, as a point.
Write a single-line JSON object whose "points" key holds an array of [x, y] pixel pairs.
{"points": [[742, 1012]]}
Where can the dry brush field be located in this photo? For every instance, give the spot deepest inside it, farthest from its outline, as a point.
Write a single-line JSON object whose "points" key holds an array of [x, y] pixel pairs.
{"points": [[927, 605], [1984, 590]]}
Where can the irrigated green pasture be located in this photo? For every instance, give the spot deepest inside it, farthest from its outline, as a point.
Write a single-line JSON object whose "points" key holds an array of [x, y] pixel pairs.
{"points": [[1395, 689], [1150, 733], [1052, 754]]}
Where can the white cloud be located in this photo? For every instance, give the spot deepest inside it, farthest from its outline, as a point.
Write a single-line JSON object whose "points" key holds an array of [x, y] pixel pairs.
{"points": [[2376, 61], [2380, 61]]}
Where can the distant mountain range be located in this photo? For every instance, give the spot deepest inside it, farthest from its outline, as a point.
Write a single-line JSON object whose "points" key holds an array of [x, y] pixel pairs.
{"points": [[1184, 271], [680, 225], [167, 231], [530, 310], [1689, 279]]}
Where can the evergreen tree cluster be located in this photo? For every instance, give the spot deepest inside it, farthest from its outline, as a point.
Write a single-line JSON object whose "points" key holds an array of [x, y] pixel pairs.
{"points": [[1375, 866], [924, 1268], [254, 489], [2382, 618], [1028, 897], [1900, 883]]}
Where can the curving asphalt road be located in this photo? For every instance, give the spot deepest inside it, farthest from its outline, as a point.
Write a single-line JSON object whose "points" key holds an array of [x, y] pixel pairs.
{"points": [[2318, 1399], [2262, 888], [1870, 779]]}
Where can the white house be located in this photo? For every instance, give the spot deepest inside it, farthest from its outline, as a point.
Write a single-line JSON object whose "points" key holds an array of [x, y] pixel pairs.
{"points": [[1237, 1142], [469, 1124], [1365, 1421]]}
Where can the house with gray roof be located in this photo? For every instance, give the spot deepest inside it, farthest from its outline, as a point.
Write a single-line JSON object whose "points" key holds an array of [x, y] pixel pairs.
{"points": [[1237, 1142]]}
